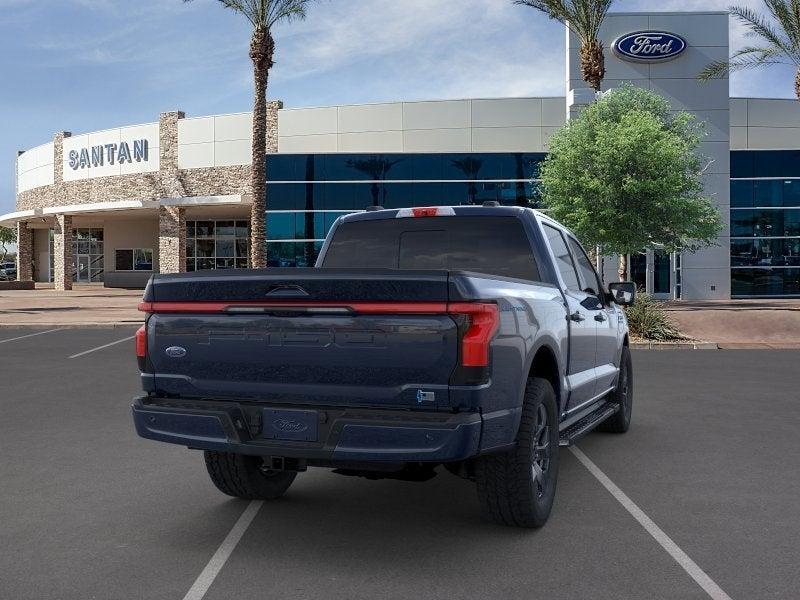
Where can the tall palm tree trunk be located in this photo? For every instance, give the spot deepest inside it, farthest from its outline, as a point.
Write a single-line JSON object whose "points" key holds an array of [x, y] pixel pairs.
{"points": [[262, 48], [797, 84], [593, 67]]}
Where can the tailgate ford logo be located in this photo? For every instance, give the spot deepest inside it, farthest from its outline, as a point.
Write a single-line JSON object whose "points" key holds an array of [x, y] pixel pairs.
{"points": [[175, 352], [649, 46], [289, 425]]}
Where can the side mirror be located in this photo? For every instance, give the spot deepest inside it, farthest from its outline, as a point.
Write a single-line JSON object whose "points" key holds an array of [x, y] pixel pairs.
{"points": [[623, 292]]}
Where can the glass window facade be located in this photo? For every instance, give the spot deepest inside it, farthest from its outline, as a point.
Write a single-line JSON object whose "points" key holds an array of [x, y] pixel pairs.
{"points": [[133, 259], [765, 223], [306, 193], [217, 245]]}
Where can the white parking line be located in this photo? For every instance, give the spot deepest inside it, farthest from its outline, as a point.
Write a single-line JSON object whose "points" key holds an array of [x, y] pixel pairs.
{"points": [[688, 565], [22, 337], [209, 574], [101, 347]]}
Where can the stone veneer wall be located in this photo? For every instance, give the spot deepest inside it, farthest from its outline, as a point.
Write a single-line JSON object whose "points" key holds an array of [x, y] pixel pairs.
{"points": [[168, 182], [62, 252], [24, 252], [171, 239]]}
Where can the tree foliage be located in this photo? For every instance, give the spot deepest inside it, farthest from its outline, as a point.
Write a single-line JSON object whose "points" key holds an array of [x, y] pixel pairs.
{"points": [[8, 236], [625, 175], [584, 18], [777, 35]]}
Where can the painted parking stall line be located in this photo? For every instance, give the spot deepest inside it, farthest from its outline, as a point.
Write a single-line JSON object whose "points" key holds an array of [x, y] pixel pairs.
{"points": [[687, 564], [22, 337], [85, 352], [226, 548]]}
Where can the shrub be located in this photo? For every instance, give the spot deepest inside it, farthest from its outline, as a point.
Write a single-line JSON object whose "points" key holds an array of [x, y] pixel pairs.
{"points": [[647, 319]]}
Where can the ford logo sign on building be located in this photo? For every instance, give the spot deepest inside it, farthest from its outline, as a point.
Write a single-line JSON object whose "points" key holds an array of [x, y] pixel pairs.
{"points": [[649, 46]]}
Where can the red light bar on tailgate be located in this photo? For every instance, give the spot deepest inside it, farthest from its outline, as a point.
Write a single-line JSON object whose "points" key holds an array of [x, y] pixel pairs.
{"points": [[426, 211], [483, 317]]}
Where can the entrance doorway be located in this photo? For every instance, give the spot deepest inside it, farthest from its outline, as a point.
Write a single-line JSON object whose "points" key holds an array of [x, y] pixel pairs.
{"points": [[87, 251], [657, 272], [662, 275], [82, 273]]}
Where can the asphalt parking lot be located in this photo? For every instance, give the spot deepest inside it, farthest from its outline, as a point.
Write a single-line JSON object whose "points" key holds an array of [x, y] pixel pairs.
{"points": [[88, 510]]}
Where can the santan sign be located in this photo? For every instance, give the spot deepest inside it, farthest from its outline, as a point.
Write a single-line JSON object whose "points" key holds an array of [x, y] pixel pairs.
{"points": [[97, 156], [649, 46]]}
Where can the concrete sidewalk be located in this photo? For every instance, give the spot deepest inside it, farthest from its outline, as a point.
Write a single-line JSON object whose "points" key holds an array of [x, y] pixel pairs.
{"points": [[85, 305], [735, 324]]}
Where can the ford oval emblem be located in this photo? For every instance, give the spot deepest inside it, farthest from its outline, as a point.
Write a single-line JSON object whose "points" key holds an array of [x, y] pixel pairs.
{"points": [[175, 352], [289, 425], [649, 46]]}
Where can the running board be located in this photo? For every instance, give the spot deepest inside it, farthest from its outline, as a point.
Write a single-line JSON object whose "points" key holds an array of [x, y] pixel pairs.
{"points": [[580, 428]]}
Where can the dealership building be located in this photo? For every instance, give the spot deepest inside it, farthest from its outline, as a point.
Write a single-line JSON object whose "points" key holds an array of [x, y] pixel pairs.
{"points": [[112, 207]]}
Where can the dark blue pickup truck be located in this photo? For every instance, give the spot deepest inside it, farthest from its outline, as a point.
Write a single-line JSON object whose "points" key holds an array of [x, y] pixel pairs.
{"points": [[477, 337]]}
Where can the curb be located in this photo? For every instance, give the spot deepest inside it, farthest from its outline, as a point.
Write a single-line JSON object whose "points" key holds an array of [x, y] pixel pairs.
{"points": [[39, 325], [674, 346]]}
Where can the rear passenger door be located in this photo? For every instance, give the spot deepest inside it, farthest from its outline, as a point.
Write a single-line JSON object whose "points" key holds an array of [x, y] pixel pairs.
{"points": [[582, 326], [605, 315]]}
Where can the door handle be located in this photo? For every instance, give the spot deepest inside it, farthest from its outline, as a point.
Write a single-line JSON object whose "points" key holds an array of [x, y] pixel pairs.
{"points": [[577, 317], [600, 317]]}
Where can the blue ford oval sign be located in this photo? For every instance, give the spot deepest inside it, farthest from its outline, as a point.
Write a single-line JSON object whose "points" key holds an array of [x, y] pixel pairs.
{"points": [[649, 46]]}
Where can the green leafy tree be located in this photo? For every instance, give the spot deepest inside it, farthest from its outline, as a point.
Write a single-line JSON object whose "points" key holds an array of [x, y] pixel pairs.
{"points": [[625, 175], [263, 15], [8, 236], [584, 18], [778, 42]]}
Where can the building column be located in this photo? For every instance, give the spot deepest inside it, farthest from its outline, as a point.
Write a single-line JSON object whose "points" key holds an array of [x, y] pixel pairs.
{"points": [[24, 252], [273, 106], [171, 184], [62, 252], [171, 239]]}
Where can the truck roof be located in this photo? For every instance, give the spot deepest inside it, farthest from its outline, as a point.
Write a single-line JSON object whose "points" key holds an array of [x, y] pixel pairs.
{"points": [[469, 210]]}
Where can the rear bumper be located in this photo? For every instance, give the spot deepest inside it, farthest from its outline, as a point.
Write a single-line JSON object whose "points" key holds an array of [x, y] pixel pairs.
{"points": [[342, 435]]}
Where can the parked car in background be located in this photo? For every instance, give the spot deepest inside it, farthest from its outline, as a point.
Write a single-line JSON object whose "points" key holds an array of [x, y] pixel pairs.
{"points": [[8, 271], [474, 337]]}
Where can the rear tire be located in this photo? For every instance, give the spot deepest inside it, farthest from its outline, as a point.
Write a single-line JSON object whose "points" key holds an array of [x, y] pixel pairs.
{"points": [[622, 395], [243, 476], [517, 487]]}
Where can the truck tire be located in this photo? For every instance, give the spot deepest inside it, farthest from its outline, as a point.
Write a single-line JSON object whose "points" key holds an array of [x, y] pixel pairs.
{"points": [[242, 476], [622, 394], [517, 487]]}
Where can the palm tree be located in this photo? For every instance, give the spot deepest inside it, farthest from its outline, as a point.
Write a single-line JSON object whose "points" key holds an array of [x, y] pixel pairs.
{"points": [[263, 15], [584, 18], [779, 38]]}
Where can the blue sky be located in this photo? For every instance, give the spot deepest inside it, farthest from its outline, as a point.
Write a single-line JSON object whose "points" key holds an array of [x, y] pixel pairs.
{"points": [[83, 65]]}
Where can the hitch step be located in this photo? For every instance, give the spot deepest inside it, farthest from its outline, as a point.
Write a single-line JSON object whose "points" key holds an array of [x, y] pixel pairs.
{"points": [[580, 428]]}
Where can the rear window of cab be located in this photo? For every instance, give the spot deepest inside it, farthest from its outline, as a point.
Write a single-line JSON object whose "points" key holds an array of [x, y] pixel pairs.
{"points": [[490, 245]]}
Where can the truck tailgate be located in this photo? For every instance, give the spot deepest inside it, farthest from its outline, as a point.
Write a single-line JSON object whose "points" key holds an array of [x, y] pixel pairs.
{"points": [[321, 336]]}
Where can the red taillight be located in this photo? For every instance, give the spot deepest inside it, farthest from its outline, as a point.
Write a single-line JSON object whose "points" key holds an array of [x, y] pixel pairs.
{"points": [[141, 342], [484, 320]]}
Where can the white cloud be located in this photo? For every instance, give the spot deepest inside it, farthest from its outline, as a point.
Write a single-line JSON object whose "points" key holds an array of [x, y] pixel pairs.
{"points": [[447, 48]]}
